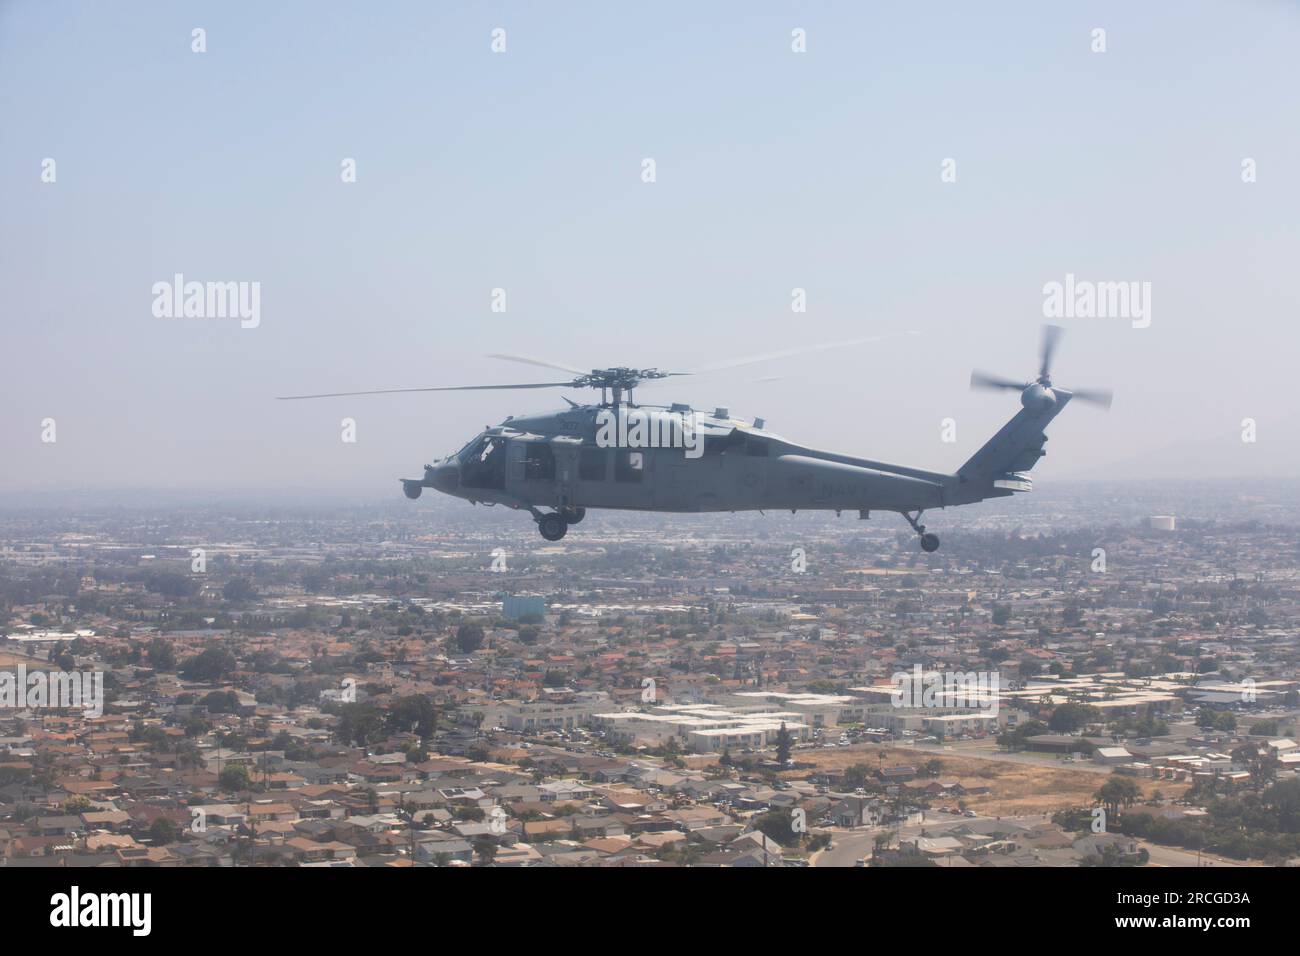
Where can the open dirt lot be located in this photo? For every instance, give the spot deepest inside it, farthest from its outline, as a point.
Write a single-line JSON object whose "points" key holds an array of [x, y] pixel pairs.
{"points": [[1014, 788]]}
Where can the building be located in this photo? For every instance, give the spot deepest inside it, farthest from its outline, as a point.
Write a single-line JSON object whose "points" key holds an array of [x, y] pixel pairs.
{"points": [[517, 606]]}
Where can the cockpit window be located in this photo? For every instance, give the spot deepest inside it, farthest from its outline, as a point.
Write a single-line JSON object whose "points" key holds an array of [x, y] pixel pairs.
{"points": [[483, 463], [464, 454]]}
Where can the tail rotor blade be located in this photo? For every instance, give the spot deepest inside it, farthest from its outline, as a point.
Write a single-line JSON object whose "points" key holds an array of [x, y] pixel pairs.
{"points": [[980, 379], [1051, 336], [1097, 396]]}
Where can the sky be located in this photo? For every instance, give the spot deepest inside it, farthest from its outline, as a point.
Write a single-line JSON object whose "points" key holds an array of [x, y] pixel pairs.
{"points": [[522, 170]]}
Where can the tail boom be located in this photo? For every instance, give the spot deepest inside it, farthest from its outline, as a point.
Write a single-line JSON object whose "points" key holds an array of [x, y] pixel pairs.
{"points": [[1002, 466]]}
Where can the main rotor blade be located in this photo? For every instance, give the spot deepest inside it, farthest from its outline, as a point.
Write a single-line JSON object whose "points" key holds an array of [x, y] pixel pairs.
{"points": [[980, 379], [437, 388], [786, 353], [653, 382], [1051, 336], [1097, 396], [540, 363]]}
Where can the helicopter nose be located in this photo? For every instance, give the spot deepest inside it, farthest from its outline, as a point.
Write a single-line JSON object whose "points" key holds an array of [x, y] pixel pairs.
{"points": [[445, 475]]}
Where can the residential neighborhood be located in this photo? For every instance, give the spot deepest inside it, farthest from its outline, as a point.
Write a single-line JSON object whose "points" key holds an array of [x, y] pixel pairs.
{"points": [[364, 689]]}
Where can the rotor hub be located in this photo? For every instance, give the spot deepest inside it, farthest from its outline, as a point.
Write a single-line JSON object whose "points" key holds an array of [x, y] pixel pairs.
{"points": [[1037, 396], [621, 378]]}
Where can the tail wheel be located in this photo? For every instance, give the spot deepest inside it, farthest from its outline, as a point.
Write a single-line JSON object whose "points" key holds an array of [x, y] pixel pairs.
{"points": [[929, 542], [552, 526]]}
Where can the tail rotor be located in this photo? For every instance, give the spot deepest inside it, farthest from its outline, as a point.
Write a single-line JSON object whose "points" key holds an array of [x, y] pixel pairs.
{"points": [[1041, 388]]}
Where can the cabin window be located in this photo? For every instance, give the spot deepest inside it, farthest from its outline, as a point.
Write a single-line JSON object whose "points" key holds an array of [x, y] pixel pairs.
{"points": [[539, 462], [719, 444], [591, 464], [628, 466]]}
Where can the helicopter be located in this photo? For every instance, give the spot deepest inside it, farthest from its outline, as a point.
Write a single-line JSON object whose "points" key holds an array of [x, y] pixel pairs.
{"points": [[621, 455]]}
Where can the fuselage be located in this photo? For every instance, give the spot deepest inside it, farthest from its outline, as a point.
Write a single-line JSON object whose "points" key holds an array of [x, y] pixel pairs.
{"points": [[590, 456]]}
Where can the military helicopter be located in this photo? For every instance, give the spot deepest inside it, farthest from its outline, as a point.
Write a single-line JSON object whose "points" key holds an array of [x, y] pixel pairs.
{"points": [[619, 454]]}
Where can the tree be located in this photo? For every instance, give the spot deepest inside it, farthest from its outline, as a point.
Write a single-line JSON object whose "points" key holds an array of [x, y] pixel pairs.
{"points": [[1117, 792], [469, 638], [1260, 761], [162, 831], [221, 702], [485, 849], [415, 714], [784, 741], [359, 724], [856, 775], [1070, 717], [161, 655], [210, 666], [76, 805], [238, 590], [235, 778], [776, 825]]}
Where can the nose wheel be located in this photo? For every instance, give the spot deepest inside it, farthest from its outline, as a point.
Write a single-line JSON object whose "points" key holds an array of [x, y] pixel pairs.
{"points": [[929, 542]]}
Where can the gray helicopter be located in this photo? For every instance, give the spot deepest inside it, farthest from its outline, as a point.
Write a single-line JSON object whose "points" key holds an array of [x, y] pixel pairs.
{"points": [[619, 454]]}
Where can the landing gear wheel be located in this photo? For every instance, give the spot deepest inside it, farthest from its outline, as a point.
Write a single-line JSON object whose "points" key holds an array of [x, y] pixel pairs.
{"points": [[574, 515], [929, 542], [552, 526]]}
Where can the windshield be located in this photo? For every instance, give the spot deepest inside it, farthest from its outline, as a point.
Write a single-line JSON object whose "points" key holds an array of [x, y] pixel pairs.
{"points": [[466, 453]]}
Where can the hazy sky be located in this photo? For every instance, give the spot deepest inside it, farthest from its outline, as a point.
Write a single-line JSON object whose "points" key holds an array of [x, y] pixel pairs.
{"points": [[523, 170]]}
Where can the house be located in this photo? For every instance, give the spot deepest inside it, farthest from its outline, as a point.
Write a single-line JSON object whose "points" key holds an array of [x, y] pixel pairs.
{"points": [[937, 846], [564, 790], [1095, 844], [453, 850], [60, 825], [697, 818], [858, 811]]}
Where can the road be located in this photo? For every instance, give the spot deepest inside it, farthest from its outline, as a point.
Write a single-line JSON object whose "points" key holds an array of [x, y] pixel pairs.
{"points": [[850, 846], [1172, 856]]}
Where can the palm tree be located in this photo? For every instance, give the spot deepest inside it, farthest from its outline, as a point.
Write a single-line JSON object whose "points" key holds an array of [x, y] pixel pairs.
{"points": [[1117, 792]]}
